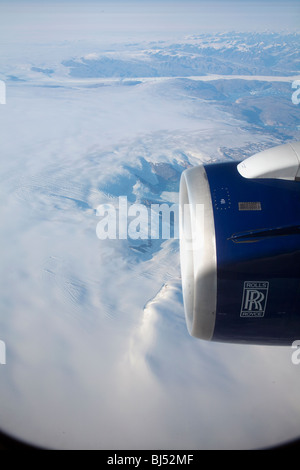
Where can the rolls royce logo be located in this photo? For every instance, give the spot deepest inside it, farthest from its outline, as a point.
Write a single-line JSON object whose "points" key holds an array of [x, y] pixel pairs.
{"points": [[255, 296]]}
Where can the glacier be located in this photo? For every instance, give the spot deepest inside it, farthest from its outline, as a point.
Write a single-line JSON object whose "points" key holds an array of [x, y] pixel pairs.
{"points": [[97, 351]]}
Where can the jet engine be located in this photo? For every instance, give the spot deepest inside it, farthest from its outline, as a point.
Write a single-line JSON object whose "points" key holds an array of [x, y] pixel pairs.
{"points": [[240, 248]]}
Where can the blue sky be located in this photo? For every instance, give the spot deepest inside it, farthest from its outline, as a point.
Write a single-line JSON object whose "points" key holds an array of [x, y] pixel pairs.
{"points": [[75, 19]]}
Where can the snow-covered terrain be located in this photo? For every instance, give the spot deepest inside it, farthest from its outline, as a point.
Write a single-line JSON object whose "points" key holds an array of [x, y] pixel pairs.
{"points": [[98, 355]]}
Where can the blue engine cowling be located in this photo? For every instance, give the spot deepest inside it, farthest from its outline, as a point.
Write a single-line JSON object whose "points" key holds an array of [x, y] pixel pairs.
{"points": [[240, 248]]}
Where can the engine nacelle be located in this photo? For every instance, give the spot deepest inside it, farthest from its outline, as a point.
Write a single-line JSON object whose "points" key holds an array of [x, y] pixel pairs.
{"points": [[240, 248]]}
